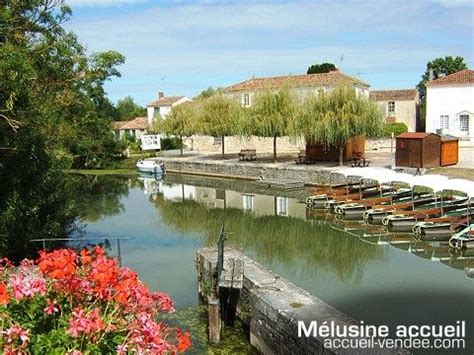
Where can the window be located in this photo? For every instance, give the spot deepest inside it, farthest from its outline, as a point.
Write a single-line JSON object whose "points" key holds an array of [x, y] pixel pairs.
{"points": [[282, 206], [391, 107], [246, 100], [464, 123], [444, 121], [247, 201]]}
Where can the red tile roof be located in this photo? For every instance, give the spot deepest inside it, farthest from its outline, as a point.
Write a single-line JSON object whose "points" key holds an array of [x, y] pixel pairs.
{"points": [[414, 135], [136, 123], [165, 101], [463, 77], [395, 95], [332, 78]]}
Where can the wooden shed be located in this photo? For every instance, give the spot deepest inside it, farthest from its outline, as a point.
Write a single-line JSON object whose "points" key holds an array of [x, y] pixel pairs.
{"points": [[449, 154], [418, 150], [355, 145]]}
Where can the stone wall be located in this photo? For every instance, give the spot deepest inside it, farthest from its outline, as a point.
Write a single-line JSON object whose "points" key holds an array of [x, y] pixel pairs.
{"points": [[308, 174], [272, 306], [235, 144]]}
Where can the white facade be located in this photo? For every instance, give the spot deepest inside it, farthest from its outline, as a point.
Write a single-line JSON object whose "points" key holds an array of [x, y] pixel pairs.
{"points": [[451, 109], [163, 110]]}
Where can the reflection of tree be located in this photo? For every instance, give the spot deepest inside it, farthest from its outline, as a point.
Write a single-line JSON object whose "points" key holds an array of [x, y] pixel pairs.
{"points": [[98, 196], [275, 239]]}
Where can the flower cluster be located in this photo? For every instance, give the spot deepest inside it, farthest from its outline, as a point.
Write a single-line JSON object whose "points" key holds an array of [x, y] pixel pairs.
{"points": [[80, 303]]}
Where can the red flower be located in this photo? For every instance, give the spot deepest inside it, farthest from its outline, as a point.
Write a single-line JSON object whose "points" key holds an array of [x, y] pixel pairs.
{"points": [[4, 295], [184, 342], [58, 264], [85, 257]]}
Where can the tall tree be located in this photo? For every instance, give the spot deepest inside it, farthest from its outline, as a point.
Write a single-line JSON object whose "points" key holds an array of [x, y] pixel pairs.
{"points": [[50, 92], [127, 109], [438, 67], [207, 93], [271, 114], [220, 116], [332, 118], [181, 121], [321, 68]]}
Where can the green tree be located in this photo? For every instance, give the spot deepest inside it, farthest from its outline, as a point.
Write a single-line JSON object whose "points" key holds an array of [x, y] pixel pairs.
{"points": [[439, 67], [205, 94], [332, 118], [181, 121], [220, 116], [321, 68], [127, 109], [271, 115], [51, 98]]}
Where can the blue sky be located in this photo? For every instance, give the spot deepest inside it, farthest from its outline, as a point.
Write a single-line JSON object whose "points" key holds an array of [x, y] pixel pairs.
{"points": [[183, 47]]}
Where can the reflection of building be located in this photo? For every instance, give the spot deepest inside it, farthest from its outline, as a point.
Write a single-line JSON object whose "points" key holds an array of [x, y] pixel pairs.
{"points": [[177, 192]]}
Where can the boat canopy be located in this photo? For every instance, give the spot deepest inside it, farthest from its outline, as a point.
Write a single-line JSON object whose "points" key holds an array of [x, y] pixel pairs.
{"points": [[433, 181]]}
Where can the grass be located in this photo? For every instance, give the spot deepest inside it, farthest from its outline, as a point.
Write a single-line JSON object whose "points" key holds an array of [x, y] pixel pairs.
{"points": [[103, 171]]}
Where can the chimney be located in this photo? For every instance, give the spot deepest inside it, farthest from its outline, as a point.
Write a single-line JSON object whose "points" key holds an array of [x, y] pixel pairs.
{"points": [[161, 94], [431, 75]]}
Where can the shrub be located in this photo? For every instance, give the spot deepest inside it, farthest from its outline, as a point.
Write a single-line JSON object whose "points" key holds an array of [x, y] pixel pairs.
{"points": [[395, 128], [171, 143], [82, 303]]}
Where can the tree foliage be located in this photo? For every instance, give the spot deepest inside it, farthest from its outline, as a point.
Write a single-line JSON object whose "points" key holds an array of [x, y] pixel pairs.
{"points": [[321, 68], [53, 111], [332, 118], [219, 116], [127, 109], [271, 115], [207, 93], [181, 121], [440, 67]]}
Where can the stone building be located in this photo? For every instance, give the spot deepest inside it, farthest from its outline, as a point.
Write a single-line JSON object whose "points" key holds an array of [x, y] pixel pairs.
{"points": [[398, 106], [133, 128], [301, 85]]}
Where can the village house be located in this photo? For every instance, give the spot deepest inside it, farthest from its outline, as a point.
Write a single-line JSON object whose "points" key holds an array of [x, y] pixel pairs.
{"points": [[302, 86], [398, 106], [133, 128], [450, 105], [161, 107]]}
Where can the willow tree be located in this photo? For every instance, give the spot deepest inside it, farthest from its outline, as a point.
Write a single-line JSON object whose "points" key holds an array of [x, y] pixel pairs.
{"points": [[220, 116], [181, 121], [271, 114], [331, 119]]}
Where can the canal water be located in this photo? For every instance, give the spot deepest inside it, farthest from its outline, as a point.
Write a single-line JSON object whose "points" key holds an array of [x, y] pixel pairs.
{"points": [[362, 271]]}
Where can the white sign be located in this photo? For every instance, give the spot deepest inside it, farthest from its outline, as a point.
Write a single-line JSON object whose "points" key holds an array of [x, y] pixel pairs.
{"points": [[151, 142]]}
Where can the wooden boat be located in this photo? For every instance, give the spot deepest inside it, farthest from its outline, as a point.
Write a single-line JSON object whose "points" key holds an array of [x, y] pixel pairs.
{"points": [[318, 200], [376, 214], [441, 228], [406, 220], [357, 209]]}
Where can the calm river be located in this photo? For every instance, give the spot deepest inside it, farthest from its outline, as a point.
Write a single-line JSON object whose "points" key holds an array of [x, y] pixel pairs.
{"points": [[379, 279]]}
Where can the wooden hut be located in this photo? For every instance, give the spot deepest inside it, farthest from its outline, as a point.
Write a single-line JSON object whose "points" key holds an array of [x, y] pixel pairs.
{"points": [[418, 150], [355, 146], [449, 154]]}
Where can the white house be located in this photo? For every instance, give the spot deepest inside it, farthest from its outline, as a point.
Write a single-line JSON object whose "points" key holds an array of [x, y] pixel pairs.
{"points": [[450, 105], [398, 105], [163, 105]]}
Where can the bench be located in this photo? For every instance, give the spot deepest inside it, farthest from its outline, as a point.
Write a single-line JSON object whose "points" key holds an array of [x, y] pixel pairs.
{"points": [[248, 154], [359, 161]]}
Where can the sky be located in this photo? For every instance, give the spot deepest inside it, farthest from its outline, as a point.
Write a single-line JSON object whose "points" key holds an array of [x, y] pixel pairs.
{"points": [[183, 47]]}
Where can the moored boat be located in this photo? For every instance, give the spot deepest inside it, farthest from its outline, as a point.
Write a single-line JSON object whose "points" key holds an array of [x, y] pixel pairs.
{"points": [[151, 167]]}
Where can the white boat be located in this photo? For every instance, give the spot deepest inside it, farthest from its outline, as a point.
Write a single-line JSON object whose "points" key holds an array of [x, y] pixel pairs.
{"points": [[151, 166]]}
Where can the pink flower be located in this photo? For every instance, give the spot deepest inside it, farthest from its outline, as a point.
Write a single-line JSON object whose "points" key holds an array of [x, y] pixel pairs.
{"points": [[16, 332], [122, 349], [51, 308], [27, 285], [84, 323]]}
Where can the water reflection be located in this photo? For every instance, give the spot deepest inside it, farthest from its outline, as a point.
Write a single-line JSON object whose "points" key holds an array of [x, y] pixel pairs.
{"points": [[360, 269]]}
